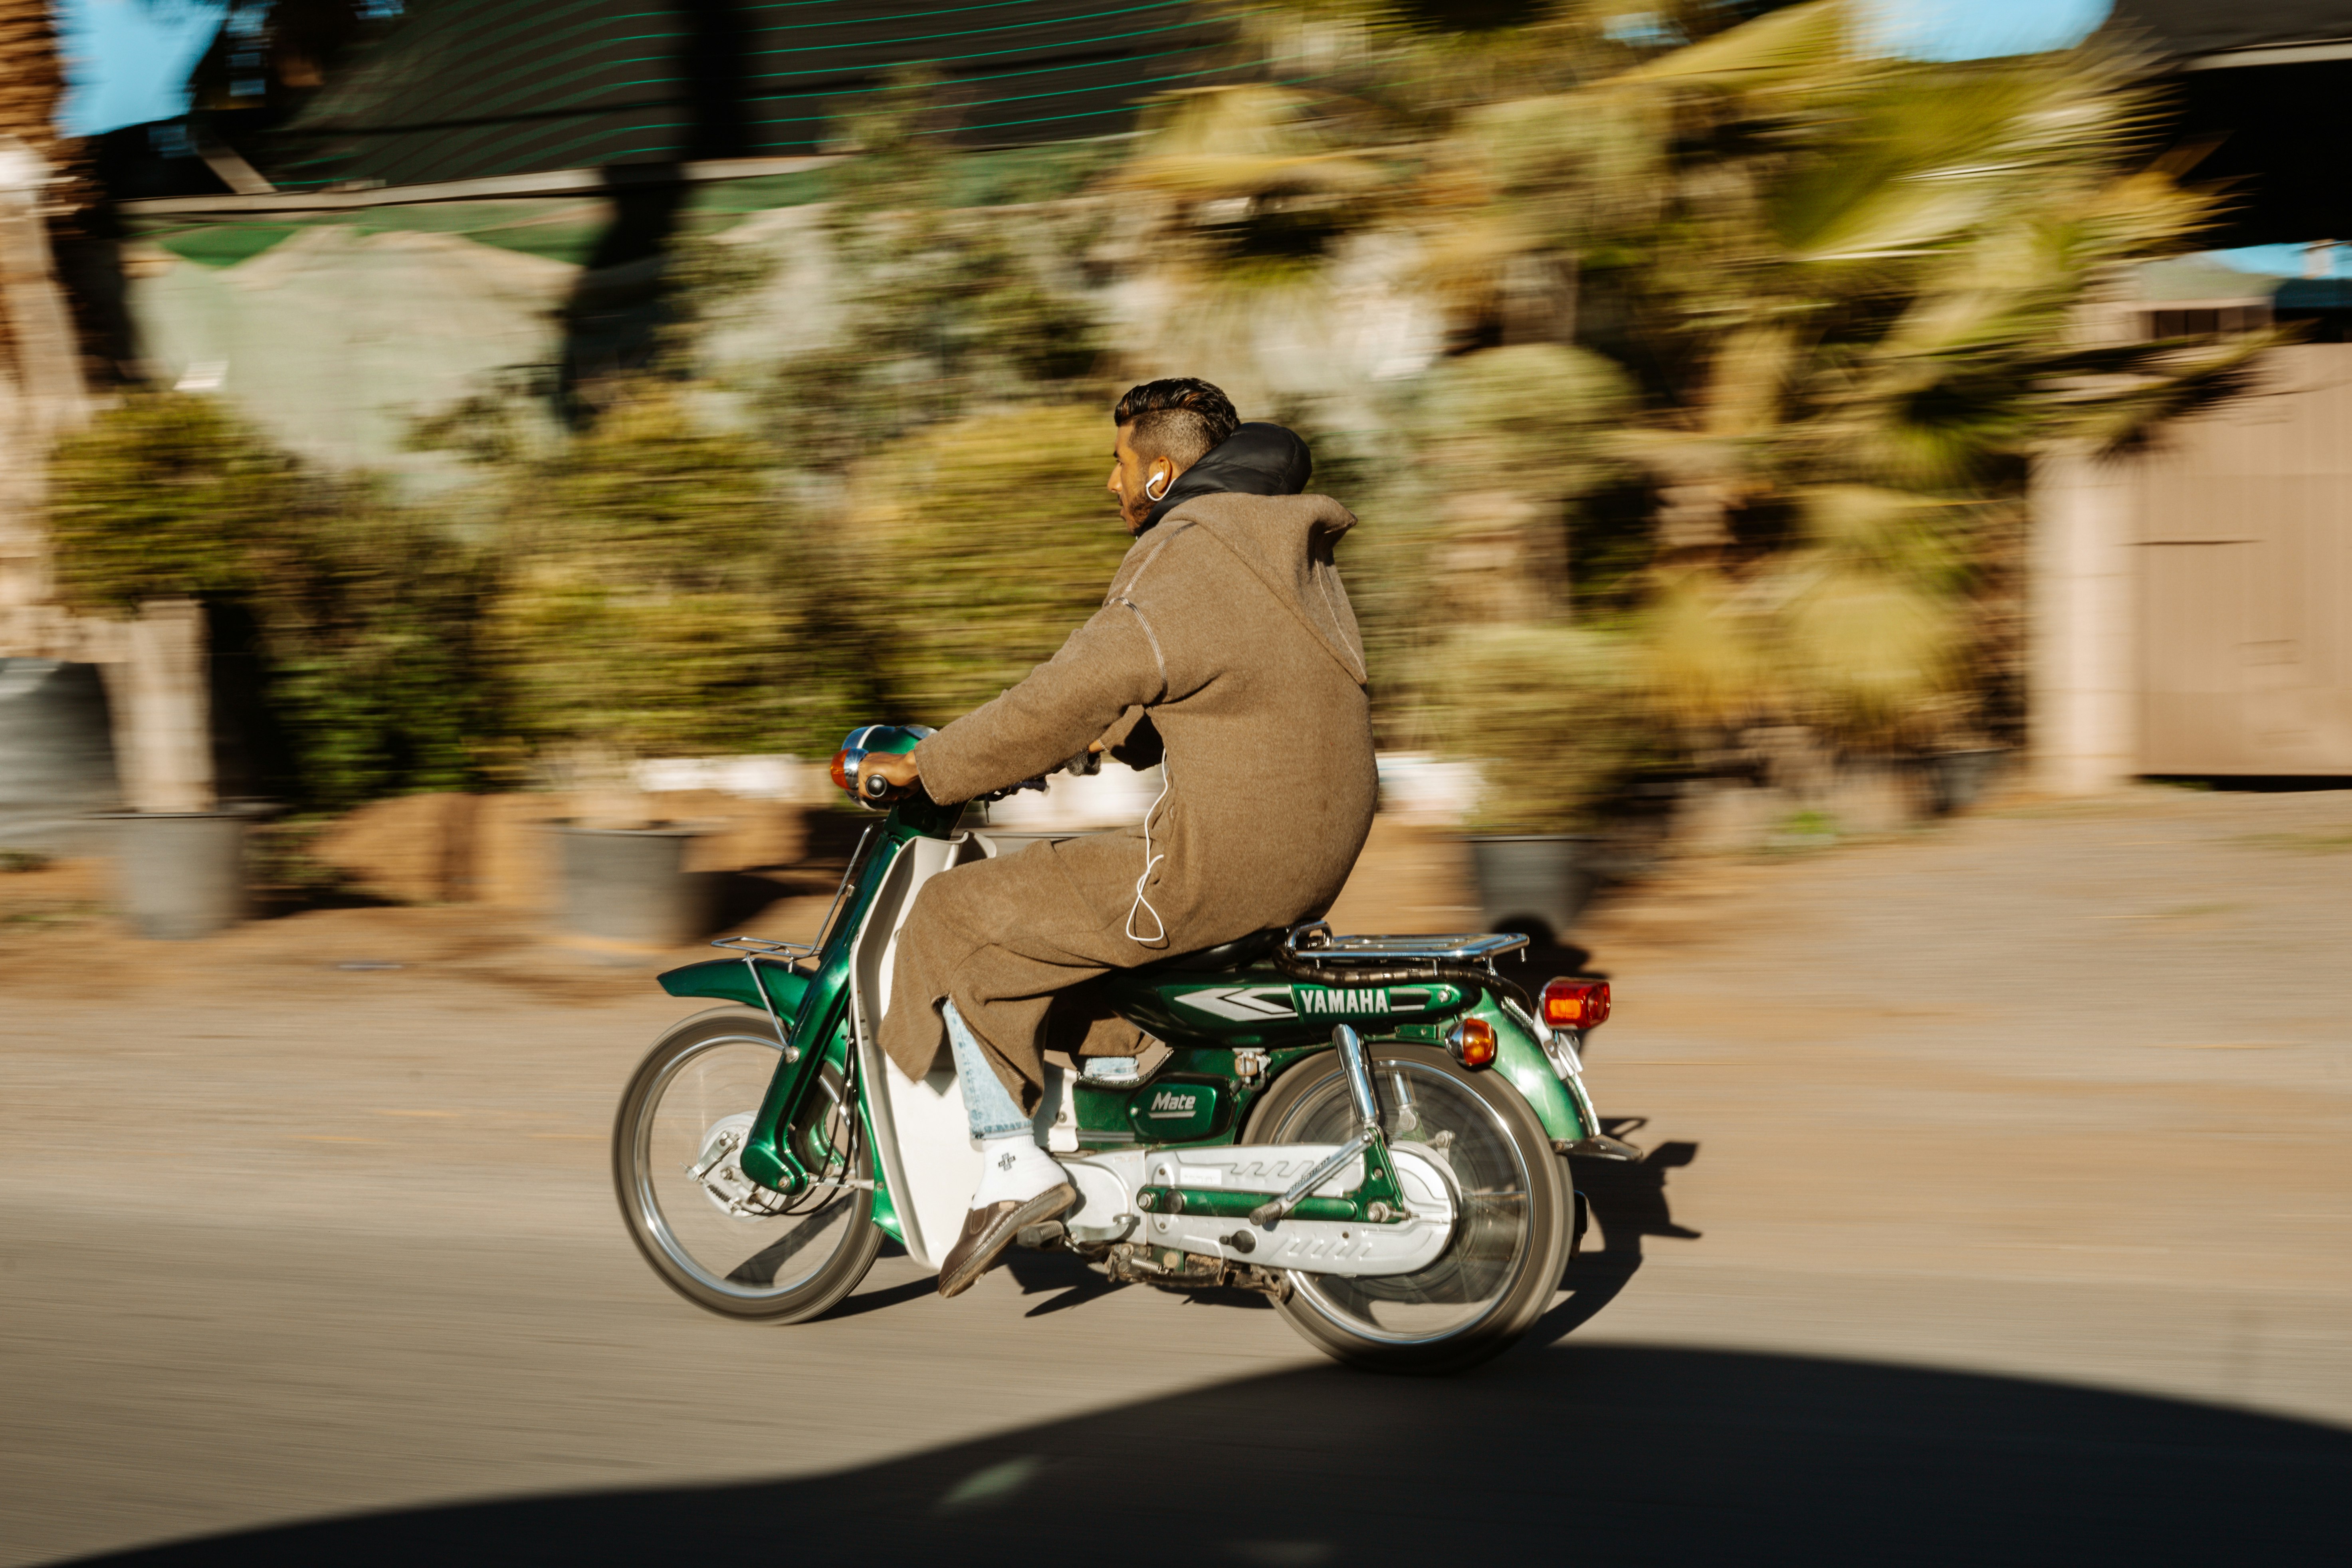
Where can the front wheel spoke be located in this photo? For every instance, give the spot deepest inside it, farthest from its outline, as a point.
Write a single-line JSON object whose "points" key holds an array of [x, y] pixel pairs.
{"points": [[762, 1267]]}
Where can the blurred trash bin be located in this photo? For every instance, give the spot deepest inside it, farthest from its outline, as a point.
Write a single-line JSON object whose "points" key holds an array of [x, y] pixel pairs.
{"points": [[1956, 778], [630, 885], [182, 874], [56, 755], [1527, 879]]}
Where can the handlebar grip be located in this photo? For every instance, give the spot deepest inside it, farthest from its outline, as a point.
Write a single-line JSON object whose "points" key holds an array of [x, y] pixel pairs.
{"points": [[874, 786]]}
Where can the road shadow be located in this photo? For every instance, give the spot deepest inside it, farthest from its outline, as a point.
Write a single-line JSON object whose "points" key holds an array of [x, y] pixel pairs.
{"points": [[1626, 1455], [735, 898], [1625, 1204], [1067, 1282]]}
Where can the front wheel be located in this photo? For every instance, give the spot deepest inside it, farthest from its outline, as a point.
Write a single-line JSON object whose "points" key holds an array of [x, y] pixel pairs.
{"points": [[708, 1231], [1512, 1233]]}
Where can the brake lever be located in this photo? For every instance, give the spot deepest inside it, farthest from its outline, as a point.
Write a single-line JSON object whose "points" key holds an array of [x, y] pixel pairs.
{"points": [[1009, 791]]}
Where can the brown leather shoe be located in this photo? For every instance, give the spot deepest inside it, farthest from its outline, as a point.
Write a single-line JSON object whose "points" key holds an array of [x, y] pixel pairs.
{"points": [[988, 1232]]}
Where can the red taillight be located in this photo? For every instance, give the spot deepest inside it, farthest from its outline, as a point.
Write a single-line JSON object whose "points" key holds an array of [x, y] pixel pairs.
{"points": [[845, 770], [1576, 1004], [1472, 1043]]}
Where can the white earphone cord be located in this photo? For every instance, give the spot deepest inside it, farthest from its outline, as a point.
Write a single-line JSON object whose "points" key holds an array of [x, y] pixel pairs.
{"points": [[1143, 905]]}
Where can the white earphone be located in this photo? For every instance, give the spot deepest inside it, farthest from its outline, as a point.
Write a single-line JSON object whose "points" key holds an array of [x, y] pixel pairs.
{"points": [[1160, 494]]}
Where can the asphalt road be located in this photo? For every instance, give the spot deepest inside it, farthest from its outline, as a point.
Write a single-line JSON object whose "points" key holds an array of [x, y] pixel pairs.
{"points": [[1999, 1211]]}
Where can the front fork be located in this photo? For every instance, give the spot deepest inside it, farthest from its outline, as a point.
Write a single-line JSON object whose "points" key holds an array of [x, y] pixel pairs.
{"points": [[767, 1155]]}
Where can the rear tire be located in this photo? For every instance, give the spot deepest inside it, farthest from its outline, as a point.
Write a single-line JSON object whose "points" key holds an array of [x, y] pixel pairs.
{"points": [[713, 1069], [1512, 1239]]}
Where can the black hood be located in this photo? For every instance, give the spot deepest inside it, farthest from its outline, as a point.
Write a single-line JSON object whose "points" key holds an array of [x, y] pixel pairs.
{"points": [[1256, 460]]}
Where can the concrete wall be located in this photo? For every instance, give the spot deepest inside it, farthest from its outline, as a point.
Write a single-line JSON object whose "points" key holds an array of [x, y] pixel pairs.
{"points": [[2192, 606]]}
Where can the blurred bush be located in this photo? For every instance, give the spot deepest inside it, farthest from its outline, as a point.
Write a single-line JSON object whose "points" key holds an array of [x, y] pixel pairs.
{"points": [[169, 495], [980, 546], [648, 602], [1529, 419], [1761, 332], [1731, 348], [943, 309], [1547, 711], [367, 612]]}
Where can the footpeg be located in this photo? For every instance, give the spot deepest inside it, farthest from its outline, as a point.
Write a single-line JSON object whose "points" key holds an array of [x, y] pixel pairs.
{"points": [[1047, 1237], [1598, 1147], [1113, 1072]]}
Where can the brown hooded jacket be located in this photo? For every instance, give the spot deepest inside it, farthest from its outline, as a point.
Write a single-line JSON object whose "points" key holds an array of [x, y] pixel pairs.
{"points": [[1228, 629]]}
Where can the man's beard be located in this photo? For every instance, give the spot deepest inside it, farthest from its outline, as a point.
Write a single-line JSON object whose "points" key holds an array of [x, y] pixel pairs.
{"points": [[1132, 510]]}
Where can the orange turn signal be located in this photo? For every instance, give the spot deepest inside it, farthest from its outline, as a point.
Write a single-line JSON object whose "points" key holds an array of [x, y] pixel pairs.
{"points": [[1471, 1042], [845, 770], [1576, 1004]]}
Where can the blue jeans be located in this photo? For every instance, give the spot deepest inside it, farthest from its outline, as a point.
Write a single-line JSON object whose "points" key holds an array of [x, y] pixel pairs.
{"points": [[987, 1102]]}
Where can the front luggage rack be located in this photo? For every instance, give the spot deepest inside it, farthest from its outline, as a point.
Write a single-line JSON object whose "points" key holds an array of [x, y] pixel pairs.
{"points": [[760, 947]]}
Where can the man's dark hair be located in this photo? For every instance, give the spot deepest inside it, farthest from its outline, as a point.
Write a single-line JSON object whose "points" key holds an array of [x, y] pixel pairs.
{"points": [[1181, 419]]}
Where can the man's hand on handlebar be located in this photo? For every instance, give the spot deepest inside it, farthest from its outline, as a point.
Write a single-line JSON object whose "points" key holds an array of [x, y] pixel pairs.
{"points": [[895, 772]]}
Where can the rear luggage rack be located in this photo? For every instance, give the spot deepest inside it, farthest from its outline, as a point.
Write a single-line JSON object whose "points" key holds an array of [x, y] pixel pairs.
{"points": [[1312, 952], [1468, 947]]}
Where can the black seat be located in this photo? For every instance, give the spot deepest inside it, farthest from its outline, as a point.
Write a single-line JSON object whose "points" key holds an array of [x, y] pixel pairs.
{"points": [[1238, 954]]}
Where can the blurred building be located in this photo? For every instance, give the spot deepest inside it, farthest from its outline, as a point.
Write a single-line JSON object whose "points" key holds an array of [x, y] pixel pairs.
{"points": [[373, 211], [380, 218], [485, 191], [2194, 603]]}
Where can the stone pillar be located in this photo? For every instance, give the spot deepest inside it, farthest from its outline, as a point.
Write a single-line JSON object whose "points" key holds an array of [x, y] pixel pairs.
{"points": [[163, 716], [154, 665], [2083, 686]]}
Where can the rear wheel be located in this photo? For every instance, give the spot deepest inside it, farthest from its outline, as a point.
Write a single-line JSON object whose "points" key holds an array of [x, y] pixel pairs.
{"points": [[710, 1236], [1511, 1238]]}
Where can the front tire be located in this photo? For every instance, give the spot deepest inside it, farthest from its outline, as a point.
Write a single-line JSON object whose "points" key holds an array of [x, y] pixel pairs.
{"points": [[1511, 1239], [706, 1076]]}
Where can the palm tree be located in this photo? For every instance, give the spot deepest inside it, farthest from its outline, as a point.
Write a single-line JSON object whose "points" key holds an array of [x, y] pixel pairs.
{"points": [[40, 373], [32, 78], [1846, 292], [1855, 303]]}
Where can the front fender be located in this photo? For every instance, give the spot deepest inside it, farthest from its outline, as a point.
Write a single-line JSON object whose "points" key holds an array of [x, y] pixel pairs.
{"points": [[730, 980]]}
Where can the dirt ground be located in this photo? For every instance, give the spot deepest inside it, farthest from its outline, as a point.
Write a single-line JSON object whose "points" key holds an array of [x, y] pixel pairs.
{"points": [[1998, 1209]]}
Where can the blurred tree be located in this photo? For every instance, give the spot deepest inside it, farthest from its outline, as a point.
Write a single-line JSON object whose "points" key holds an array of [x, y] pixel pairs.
{"points": [[944, 310], [1847, 289], [1234, 213], [366, 612], [1548, 711], [980, 545], [654, 601], [1845, 296], [1749, 339]]}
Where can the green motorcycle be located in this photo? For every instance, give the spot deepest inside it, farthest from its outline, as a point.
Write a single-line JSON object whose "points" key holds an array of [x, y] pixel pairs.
{"points": [[1372, 1131]]}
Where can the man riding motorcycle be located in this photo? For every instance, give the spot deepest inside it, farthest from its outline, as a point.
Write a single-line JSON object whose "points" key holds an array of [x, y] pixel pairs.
{"points": [[1225, 648]]}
